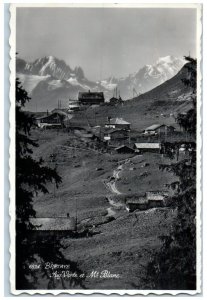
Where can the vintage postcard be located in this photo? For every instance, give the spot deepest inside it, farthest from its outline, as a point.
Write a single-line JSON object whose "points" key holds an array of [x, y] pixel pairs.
{"points": [[105, 149]]}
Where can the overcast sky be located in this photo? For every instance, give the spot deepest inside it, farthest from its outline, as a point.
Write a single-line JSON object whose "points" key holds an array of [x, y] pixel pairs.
{"points": [[105, 41]]}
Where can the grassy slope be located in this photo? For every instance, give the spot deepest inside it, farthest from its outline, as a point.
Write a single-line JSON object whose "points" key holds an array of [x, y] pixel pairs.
{"points": [[122, 246], [146, 109]]}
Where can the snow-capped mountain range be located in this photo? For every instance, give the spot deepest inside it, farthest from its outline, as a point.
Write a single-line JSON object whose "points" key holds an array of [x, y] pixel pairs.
{"points": [[49, 79], [146, 78]]}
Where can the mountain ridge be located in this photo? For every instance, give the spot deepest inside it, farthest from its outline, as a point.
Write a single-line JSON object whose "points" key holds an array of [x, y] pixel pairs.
{"points": [[49, 79], [146, 78]]}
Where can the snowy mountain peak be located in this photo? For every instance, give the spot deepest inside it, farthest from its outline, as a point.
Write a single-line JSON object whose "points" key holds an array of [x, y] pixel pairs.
{"points": [[166, 59], [49, 66], [170, 60], [146, 78]]}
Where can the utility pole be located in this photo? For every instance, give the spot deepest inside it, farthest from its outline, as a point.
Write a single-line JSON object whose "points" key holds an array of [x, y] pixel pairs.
{"points": [[76, 215]]}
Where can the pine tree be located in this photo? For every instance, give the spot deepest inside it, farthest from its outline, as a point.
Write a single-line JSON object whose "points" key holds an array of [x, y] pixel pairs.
{"points": [[174, 266], [32, 177]]}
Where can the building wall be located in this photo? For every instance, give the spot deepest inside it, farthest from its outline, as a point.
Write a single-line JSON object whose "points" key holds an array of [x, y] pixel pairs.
{"points": [[53, 119], [151, 150], [122, 126], [134, 206], [155, 203], [165, 129], [119, 135], [125, 150], [91, 101]]}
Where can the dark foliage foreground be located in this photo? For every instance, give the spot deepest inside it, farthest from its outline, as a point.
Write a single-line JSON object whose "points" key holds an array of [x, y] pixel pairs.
{"points": [[174, 266], [31, 178]]}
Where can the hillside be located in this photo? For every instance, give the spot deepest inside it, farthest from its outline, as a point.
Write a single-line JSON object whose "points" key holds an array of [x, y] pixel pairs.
{"points": [[159, 105], [172, 89]]}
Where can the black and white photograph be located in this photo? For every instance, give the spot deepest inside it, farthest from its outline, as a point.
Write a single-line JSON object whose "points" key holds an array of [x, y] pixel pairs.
{"points": [[105, 156]]}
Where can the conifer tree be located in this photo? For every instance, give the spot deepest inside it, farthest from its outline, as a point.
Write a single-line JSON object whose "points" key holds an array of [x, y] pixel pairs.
{"points": [[32, 177], [174, 266]]}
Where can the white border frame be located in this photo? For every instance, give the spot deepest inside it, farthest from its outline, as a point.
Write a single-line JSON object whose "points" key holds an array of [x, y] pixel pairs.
{"points": [[12, 42]]}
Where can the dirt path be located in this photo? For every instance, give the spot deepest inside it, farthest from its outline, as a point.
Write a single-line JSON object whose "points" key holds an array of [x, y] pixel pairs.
{"points": [[111, 186], [116, 176]]}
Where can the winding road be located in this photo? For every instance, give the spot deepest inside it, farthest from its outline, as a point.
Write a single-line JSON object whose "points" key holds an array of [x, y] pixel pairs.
{"points": [[111, 186]]}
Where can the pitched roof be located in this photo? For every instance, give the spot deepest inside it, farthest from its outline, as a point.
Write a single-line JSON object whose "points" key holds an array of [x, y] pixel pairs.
{"points": [[156, 126], [57, 112], [124, 146], [89, 95], [156, 195], [118, 121], [147, 145], [153, 127], [61, 223], [112, 130]]}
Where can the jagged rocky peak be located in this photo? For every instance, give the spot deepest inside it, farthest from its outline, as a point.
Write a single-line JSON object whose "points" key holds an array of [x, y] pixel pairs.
{"points": [[49, 65]]}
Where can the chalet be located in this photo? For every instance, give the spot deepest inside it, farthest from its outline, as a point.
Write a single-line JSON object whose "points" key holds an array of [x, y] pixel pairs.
{"points": [[52, 226], [117, 123], [124, 149], [115, 134], [90, 98], [156, 198], [54, 119], [157, 129], [140, 203], [147, 147]]}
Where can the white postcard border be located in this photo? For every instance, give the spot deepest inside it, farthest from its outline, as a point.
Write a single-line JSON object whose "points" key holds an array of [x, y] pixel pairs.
{"points": [[12, 42]]}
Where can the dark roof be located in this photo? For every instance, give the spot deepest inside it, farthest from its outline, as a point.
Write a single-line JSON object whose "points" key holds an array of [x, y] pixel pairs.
{"points": [[124, 146], [57, 112], [61, 223], [114, 99], [112, 130], [90, 95]]}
